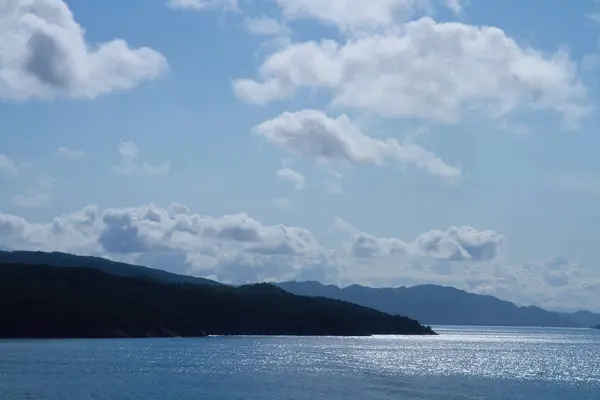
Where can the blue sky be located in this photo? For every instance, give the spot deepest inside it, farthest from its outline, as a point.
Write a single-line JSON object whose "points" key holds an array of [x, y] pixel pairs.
{"points": [[388, 143]]}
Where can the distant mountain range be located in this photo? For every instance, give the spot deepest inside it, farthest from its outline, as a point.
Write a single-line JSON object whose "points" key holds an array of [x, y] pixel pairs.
{"points": [[108, 266], [429, 304], [583, 318], [440, 305]]}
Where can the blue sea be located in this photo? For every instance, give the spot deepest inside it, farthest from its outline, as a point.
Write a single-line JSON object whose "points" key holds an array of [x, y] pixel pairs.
{"points": [[460, 363]]}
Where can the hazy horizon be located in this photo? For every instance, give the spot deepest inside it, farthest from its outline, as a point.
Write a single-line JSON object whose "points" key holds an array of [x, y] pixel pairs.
{"points": [[343, 286]]}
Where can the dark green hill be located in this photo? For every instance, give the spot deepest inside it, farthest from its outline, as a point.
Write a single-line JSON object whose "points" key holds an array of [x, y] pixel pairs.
{"points": [[56, 302], [116, 268]]}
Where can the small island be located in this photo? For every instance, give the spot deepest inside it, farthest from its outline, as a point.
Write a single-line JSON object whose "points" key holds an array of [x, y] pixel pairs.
{"points": [[44, 301]]}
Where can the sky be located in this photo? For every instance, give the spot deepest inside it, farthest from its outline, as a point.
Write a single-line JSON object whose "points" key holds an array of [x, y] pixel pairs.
{"points": [[383, 143]]}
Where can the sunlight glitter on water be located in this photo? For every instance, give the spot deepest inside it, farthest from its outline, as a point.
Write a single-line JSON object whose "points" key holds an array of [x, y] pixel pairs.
{"points": [[513, 353], [465, 363]]}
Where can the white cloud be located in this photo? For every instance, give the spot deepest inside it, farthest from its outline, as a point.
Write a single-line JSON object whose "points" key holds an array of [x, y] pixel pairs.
{"points": [[8, 166], [131, 164], [292, 176], [556, 271], [73, 154], [314, 135], [461, 244], [43, 53], [76, 232], [425, 69], [232, 247], [240, 249], [264, 26], [470, 260], [555, 283], [455, 244], [198, 5], [365, 246]]}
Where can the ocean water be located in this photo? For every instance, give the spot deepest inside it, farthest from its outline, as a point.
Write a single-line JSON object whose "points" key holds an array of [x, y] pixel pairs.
{"points": [[460, 363]]}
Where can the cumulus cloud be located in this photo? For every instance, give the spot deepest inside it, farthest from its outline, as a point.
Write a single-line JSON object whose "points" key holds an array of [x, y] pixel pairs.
{"points": [[131, 164], [43, 52], [455, 244], [241, 249], [221, 246], [292, 176], [235, 248], [198, 5], [365, 246], [556, 271], [8, 166], [67, 152], [560, 285], [424, 69], [314, 135], [555, 283], [461, 244]]}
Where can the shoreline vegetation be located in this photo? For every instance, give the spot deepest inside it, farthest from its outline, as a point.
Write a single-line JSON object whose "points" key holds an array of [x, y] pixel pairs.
{"points": [[52, 302]]}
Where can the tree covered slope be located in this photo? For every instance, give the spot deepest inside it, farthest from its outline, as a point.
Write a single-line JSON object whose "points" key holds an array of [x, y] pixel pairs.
{"points": [[38, 301]]}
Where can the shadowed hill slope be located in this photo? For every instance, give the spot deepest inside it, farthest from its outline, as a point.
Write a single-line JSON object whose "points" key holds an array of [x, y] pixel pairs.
{"points": [[56, 302], [108, 266]]}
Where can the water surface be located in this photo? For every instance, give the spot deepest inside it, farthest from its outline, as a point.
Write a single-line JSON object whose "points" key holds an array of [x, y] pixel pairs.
{"points": [[461, 363]]}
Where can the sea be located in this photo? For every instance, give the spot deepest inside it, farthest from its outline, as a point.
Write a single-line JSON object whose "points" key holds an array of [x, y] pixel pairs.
{"points": [[461, 363]]}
